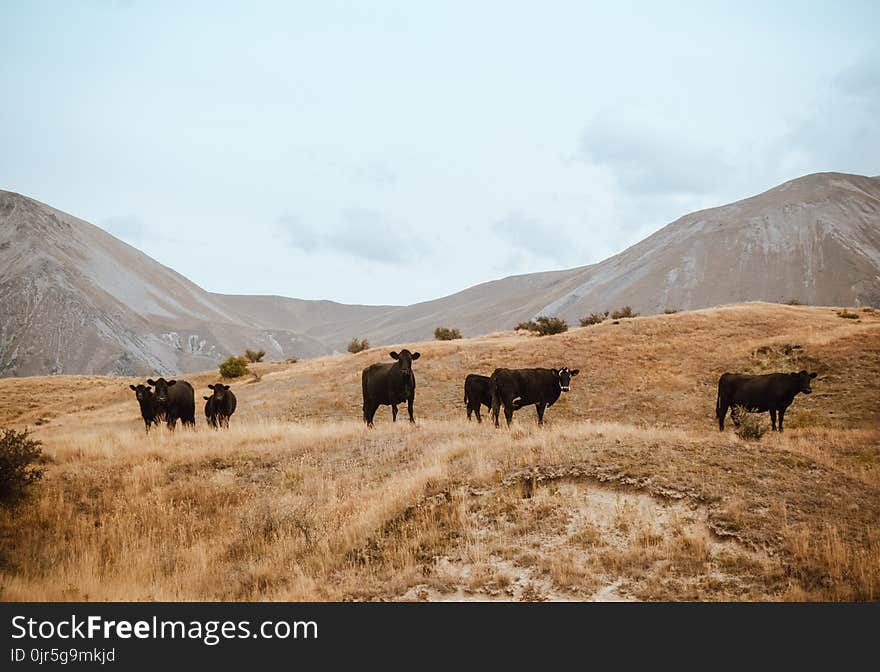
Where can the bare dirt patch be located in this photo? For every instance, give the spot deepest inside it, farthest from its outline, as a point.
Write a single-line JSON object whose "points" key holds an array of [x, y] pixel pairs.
{"points": [[584, 540]]}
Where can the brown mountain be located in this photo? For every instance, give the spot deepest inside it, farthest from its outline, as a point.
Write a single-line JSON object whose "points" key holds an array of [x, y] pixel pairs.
{"points": [[74, 299]]}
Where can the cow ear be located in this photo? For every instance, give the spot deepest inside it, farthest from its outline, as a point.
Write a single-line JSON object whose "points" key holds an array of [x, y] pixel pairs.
{"points": [[394, 355], [133, 387], [814, 374], [171, 382], [802, 372], [206, 397], [211, 386], [226, 387], [575, 372], [416, 355], [151, 382]]}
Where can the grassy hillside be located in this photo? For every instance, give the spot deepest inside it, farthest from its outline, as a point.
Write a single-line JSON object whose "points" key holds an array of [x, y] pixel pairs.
{"points": [[629, 492]]}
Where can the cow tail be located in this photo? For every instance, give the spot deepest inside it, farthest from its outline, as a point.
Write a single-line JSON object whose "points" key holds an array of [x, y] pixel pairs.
{"points": [[718, 402], [496, 398], [465, 393]]}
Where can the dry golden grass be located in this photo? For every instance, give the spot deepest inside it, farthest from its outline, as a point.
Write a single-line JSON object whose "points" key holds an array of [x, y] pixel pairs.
{"points": [[629, 492]]}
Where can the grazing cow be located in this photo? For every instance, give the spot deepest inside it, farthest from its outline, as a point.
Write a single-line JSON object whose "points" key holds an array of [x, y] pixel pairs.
{"points": [[772, 392], [477, 392], [516, 388], [220, 406], [175, 400], [389, 384], [147, 401]]}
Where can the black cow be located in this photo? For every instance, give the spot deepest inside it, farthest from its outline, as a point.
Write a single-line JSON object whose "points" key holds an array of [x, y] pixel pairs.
{"points": [[389, 384], [147, 401], [772, 392], [477, 392], [220, 406], [175, 400], [516, 388]]}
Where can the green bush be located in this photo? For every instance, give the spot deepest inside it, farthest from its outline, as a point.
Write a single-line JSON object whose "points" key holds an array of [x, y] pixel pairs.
{"points": [[594, 318], [234, 367], [18, 473], [544, 326], [358, 345], [254, 355], [621, 313], [444, 334], [847, 315]]}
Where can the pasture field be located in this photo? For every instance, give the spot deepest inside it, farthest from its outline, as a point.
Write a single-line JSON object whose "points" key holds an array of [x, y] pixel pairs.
{"points": [[628, 493]]}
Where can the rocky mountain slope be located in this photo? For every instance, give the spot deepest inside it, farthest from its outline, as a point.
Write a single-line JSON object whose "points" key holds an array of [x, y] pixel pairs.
{"points": [[74, 299]]}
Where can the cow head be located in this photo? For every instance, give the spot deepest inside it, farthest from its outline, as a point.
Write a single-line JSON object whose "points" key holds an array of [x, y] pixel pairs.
{"points": [[804, 379], [142, 392], [219, 391], [161, 386], [405, 358], [564, 376]]}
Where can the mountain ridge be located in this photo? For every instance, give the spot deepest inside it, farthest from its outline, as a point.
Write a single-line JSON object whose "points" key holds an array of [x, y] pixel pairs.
{"points": [[75, 299]]}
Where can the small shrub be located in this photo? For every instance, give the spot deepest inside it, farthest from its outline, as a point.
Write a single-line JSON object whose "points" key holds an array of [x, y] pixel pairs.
{"points": [[670, 311], [444, 334], [544, 326], [751, 428], [254, 356], [793, 302], [593, 318], [18, 473], [234, 367], [847, 315], [358, 345], [292, 360], [621, 313]]}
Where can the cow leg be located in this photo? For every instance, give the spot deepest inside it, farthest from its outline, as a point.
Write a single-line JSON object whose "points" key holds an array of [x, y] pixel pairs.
{"points": [[393, 412], [172, 423], [781, 415], [370, 414], [773, 419], [469, 411], [477, 412], [508, 411], [540, 408], [409, 408]]}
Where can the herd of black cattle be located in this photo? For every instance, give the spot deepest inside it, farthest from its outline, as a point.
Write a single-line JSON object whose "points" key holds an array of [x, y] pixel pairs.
{"points": [[174, 400], [390, 384]]}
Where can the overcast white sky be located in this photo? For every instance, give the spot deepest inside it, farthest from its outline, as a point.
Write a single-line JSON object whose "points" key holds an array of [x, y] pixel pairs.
{"points": [[391, 152]]}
